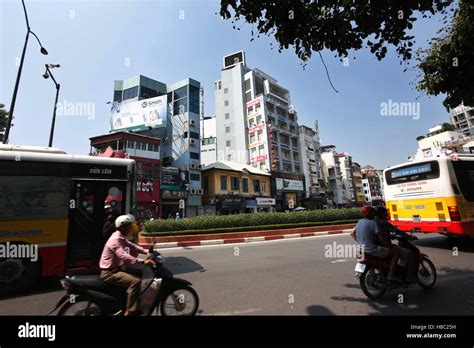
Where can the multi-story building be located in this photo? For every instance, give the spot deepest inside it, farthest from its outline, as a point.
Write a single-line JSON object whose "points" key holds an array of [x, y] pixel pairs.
{"points": [[146, 152], [462, 117], [258, 125], [345, 165], [310, 150], [231, 188], [170, 112], [208, 141], [335, 192], [372, 182], [439, 137], [358, 186]]}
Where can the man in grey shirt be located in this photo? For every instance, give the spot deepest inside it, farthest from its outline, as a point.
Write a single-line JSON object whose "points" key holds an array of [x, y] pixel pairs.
{"points": [[369, 236]]}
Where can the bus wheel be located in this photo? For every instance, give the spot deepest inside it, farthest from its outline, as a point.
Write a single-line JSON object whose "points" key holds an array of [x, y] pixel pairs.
{"points": [[18, 275]]}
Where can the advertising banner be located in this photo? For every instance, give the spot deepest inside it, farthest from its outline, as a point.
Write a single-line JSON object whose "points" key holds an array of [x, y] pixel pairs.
{"points": [[139, 114], [148, 190], [171, 179], [289, 185]]}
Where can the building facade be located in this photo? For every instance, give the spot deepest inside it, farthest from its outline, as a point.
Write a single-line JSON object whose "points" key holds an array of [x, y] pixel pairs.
{"points": [[233, 188], [335, 192], [373, 185], [358, 186], [258, 125], [170, 112], [347, 176], [146, 152], [208, 141], [462, 117]]}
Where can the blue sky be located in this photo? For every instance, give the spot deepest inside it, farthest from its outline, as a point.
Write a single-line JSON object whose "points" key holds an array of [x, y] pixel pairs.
{"points": [[94, 40]]}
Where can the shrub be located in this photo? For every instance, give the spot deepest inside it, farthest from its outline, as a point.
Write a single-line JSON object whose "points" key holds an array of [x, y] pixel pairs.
{"points": [[206, 222]]}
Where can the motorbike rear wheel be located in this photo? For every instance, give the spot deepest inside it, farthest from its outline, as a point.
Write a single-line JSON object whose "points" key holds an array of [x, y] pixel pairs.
{"points": [[80, 307], [426, 273], [183, 301], [371, 283]]}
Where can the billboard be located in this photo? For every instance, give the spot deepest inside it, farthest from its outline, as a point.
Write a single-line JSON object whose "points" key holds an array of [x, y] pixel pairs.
{"points": [[289, 185], [139, 115], [171, 178]]}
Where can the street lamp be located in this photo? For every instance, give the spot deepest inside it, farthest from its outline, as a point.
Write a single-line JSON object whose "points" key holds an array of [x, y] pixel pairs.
{"points": [[46, 75], [18, 76]]}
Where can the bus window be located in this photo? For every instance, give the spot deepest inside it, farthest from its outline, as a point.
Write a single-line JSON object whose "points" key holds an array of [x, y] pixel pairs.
{"points": [[413, 172], [465, 175]]}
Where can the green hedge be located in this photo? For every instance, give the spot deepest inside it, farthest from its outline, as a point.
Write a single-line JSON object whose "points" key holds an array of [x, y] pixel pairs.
{"points": [[207, 222], [246, 228]]}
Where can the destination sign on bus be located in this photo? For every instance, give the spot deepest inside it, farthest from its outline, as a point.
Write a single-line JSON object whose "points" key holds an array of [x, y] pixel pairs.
{"points": [[414, 170]]}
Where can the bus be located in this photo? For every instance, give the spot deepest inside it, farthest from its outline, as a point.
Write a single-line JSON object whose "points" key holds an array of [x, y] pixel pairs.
{"points": [[432, 195], [55, 205]]}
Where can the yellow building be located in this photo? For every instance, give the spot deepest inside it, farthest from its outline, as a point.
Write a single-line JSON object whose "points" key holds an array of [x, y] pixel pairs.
{"points": [[233, 188]]}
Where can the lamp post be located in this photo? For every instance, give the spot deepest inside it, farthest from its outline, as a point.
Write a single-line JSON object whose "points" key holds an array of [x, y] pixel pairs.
{"points": [[18, 76], [46, 75]]}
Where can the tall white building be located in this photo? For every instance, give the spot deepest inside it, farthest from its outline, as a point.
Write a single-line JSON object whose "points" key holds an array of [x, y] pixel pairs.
{"points": [[208, 140], [310, 149], [336, 194], [257, 125], [462, 117], [345, 165]]}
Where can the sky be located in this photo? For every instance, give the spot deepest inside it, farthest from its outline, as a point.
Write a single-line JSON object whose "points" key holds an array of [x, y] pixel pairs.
{"points": [[97, 42]]}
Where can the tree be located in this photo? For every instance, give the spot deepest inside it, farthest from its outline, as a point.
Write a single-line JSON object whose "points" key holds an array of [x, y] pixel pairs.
{"points": [[447, 65], [344, 25], [336, 25], [3, 121]]}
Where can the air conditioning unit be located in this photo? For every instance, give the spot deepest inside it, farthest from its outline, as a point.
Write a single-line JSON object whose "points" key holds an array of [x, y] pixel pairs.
{"points": [[193, 166], [199, 166], [201, 191], [193, 191], [192, 142], [192, 123]]}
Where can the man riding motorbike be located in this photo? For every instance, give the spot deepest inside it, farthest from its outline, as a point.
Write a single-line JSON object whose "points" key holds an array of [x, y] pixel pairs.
{"points": [[119, 252], [408, 255], [369, 236]]}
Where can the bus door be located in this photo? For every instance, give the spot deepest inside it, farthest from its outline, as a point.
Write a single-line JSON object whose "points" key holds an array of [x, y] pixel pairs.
{"points": [[96, 205]]}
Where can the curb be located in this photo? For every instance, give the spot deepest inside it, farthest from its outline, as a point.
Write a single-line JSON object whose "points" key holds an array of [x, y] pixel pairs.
{"points": [[242, 240]]}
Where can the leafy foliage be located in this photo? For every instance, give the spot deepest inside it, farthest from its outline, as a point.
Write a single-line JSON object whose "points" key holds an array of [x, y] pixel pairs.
{"points": [[447, 65], [242, 220], [3, 121], [336, 25]]}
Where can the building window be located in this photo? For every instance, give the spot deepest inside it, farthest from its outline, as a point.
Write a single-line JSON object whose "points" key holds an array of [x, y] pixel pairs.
{"points": [[251, 122], [248, 96], [245, 185], [223, 183], [130, 93], [130, 144], [234, 183], [146, 92], [259, 120], [118, 96], [247, 84], [226, 103], [180, 93], [180, 106], [194, 99], [206, 183], [261, 150], [260, 136], [252, 138], [227, 116], [195, 177], [194, 135], [227, 143], [256, 186], [194, 155], [227, 129], [264, 185], [226, 90]]}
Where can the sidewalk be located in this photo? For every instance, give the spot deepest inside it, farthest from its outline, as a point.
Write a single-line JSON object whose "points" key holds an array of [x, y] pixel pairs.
{"points": [[243, 237]]}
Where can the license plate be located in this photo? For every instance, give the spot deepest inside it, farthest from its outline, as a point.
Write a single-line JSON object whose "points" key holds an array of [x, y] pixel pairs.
{"points": [[360, 267], [416, 218]]}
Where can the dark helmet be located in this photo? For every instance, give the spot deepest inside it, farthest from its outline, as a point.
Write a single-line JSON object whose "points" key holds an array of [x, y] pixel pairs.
{"points": [[368, 212], [381, 211]]}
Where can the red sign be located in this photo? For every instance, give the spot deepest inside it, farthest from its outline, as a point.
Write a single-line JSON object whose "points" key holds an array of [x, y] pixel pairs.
{"points": [[253, 102], [148, 190], [259, 159], [256, 128]]}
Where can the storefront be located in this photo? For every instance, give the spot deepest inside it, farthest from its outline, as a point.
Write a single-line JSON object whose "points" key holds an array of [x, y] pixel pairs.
{"points": [[259, 205], [288, 190], [226, 205]]}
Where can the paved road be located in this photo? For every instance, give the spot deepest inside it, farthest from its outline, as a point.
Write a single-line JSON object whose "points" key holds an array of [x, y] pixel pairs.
{"points": [[294, 277]]}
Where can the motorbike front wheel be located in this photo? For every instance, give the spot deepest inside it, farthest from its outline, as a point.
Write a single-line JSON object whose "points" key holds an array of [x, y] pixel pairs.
{"points": [[371, 283], [426, 273], [80, 307], [180, 302]]}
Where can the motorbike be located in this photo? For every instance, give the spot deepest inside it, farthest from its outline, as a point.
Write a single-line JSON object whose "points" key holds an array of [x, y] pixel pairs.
{"points": [[88, 295], [372, 271]]}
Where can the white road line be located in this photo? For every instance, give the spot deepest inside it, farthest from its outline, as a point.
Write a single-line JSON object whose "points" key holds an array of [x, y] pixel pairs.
{"points": [[340, 260], [283, 240], [240, 312]]}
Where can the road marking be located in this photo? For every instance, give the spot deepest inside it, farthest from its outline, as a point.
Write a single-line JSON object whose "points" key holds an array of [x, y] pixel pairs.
{"points": [[283, 240], [240, 312], [340, 260]]}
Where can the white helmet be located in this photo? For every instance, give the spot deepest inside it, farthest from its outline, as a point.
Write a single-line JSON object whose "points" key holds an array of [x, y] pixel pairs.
{"points": [[125, 220]]}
